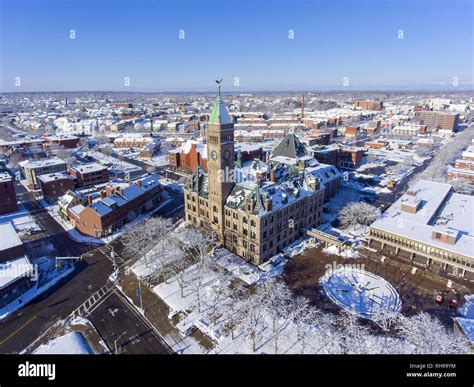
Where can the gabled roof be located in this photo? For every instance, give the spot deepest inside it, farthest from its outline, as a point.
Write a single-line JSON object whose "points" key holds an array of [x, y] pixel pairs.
{"points": [[132, 192], [290, 147]]}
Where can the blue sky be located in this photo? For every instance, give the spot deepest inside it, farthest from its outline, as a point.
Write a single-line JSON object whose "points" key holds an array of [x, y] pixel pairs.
{"points": [[333, 40]]}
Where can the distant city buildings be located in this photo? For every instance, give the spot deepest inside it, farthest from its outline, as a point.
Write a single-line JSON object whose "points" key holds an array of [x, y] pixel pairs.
{"points": [[464, 167]]}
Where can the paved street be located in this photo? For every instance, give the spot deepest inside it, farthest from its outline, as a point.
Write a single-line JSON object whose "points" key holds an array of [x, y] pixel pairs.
{"points": [[118, 322]]}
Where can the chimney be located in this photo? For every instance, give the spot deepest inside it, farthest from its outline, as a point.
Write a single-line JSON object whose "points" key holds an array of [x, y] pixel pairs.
{"points": [[102, 194], [272, 175], [302, 106], [268, 203], [110, 190], [89, 200], [139, 183]]}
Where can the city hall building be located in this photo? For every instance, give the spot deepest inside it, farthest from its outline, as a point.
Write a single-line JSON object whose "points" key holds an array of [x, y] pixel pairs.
{"points": [[254, 218]]}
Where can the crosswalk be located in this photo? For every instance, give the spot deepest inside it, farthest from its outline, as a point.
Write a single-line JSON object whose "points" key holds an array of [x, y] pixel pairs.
{"points": [[89, 305]]}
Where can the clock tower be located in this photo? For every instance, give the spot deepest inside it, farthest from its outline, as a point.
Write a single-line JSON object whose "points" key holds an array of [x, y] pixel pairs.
{"points": [[220, 160]]}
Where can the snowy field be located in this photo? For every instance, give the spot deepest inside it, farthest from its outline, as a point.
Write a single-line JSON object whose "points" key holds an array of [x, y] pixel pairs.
{"points": [[72, 343]]}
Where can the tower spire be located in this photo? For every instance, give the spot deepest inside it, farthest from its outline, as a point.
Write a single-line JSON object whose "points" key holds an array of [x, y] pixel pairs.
{"points": [[219, 86]]}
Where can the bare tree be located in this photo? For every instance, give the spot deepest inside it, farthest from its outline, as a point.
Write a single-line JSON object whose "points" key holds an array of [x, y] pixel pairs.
{"points": [[276, 298], [358, 213], [253, 317], [141, 238]]}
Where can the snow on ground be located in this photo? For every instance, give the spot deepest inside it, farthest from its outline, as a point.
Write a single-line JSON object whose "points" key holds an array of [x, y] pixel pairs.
{"points": [[344, 195], [158, 160], [333, 250], [48, 275], [161, 255], [360, 291], [72, 343], [467, 310]]}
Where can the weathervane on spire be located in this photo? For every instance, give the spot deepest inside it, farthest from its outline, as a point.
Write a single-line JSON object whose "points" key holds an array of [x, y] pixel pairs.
{"points": [[219, 86]]}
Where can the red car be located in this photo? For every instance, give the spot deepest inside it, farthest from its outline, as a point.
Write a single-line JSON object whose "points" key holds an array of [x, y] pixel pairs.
{"points": [[453, 304]]}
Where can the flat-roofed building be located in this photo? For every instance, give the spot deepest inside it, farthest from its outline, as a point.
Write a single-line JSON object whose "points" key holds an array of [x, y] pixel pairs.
{"points": [[8, 200], [54, 185], [89, 174], [31, 169], [431, 226]]}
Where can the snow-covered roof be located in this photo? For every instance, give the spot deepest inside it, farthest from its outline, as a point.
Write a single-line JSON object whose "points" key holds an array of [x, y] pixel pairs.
{"points": [[12, 270], [433, 208], [76, 210], [54, 176], [41, 163], [219, 113], [88, 168], [8, 236], [4, 177]]}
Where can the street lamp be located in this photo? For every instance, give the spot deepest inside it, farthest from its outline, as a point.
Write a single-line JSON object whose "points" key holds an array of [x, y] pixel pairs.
{"points": [[115, 342]]}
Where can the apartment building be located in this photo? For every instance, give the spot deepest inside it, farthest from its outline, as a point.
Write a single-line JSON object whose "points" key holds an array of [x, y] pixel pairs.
{"points": [[32, 169], [8, 200], [115, 207], [87, 175]]}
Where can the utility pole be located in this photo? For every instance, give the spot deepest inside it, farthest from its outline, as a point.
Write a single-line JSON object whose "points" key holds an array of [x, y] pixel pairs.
{"points": [[140, 294], [115, 342]]}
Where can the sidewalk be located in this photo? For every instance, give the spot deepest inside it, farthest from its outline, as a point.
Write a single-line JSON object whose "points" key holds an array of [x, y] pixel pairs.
{"points": [[156, 311]]}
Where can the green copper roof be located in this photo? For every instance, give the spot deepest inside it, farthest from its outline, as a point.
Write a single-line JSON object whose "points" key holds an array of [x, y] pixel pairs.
{"points": [[219, 113], [290, 147]]}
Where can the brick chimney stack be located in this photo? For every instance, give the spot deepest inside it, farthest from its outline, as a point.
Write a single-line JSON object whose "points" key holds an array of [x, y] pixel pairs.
{"points": [[302, 106]]}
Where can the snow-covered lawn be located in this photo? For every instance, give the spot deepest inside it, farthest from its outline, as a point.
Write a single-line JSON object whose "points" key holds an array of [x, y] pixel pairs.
{"points": [[72, 343]]}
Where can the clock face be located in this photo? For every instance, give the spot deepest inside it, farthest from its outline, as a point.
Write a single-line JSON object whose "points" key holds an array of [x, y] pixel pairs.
{"points": [[214, 155], [226, 154]]}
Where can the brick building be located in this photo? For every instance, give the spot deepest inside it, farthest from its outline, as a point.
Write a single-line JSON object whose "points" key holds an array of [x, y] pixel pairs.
{"points": [[369, 105], [54, 185], [31, 169], [251, 219], [464, 167], [438, 120], [115, 207], [66, 141], [342, 157], [8, 201], [188, 157]]}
